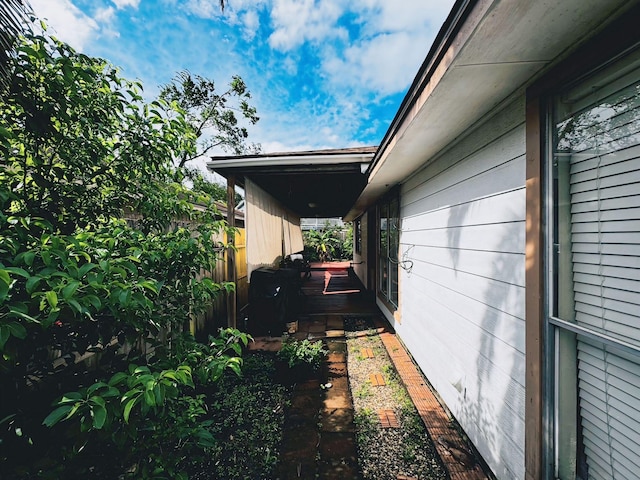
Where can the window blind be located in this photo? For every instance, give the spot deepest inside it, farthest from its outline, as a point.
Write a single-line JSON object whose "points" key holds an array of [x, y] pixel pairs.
{"points": [[600, 137]]}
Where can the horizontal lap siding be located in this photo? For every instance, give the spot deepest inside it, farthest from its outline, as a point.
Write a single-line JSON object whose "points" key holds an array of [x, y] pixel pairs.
{"points": [[462, 302]]}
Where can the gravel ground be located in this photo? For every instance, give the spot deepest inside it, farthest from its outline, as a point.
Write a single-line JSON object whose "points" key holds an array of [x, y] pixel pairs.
{"points": [[385, 453]]}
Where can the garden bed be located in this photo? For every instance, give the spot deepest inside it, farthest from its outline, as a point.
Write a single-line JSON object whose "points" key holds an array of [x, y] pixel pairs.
{"points": [[248, 418]]}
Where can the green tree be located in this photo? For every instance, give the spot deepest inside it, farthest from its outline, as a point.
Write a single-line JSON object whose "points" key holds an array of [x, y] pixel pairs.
{"points": [[13, 21], [329, 242], [200, 183], [323, 243], [212, 116], [79, 149]]}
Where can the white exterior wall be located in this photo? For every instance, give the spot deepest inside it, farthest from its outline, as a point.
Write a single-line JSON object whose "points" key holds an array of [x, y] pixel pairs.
{"points": [[461, 311]]}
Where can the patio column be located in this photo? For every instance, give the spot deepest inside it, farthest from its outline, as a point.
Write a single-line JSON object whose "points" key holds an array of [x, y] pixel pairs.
{"points": [[231, 253]]}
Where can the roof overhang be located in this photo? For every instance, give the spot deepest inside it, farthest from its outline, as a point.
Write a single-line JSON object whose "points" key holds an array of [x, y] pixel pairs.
{"points": [[317, 183], [487, 52]]}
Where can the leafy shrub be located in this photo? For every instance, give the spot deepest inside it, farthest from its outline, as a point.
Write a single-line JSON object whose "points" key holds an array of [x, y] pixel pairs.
{"points": [[302, 352], [79, 147], [329, 243]]}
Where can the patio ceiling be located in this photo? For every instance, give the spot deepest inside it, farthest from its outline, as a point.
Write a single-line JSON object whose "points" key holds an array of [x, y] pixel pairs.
{"points": [[317, 183]]}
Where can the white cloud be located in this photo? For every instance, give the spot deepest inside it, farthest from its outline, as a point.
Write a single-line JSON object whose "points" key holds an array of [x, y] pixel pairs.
{"points": [[408, 15], [395, 40], [277, 146], [298, 21], [385, 64], [251, 22], [126, 3], [66, 21], [105, 14], [204, 8]]}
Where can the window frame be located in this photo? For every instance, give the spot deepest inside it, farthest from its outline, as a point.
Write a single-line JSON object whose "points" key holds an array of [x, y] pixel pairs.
{"points": [[387, 261], [612, 43]]}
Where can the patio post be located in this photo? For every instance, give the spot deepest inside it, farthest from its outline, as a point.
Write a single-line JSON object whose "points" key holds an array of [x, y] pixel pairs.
{"points": [[231, 253]]}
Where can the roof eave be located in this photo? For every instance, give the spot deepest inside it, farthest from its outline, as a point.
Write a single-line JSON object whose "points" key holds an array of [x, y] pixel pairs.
{"points": [[486, 52]]}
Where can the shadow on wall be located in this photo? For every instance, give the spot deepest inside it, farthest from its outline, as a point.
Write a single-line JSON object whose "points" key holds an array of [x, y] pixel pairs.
{"points": [[454, 230], [496, 419]]}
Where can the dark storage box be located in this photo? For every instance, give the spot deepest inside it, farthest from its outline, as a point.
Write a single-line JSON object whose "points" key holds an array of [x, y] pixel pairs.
{"points": [[273, 299]]}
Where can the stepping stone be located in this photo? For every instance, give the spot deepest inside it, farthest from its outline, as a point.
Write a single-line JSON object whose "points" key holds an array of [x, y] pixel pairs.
{"points": [[367, 352], [388, 419], [376, 379], [337, 420], [334, 333]]}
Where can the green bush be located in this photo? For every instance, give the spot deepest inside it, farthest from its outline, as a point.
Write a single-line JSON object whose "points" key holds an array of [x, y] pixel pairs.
{"points": [[302, 352], [79, 147], [329, 243]]}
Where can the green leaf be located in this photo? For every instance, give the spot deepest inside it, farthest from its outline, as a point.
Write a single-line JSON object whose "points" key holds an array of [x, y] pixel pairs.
{"points": [[158, 391], [171, 375], [97, 400], [4, 276], [71, 397], [94, 301], [149, 285], [128, 407], [4, 335], [52, 298], [46, 258], [32, 283], [99, 414], [86, 268], [70, 290], [205, 439], [118, 378], [96, 386], [76, 305], [57, 415], [15, 313], [4, 291], [125, 297], [142, 369], [28, 258], [150, 398], [111, 392], [18, 271], [17, 330]]}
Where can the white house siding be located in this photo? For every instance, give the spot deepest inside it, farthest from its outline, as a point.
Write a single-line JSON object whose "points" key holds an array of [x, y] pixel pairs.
{"points": [[462, 302]]}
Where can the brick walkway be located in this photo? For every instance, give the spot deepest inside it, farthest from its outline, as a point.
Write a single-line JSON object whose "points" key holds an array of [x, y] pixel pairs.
{"points": [[451, 447], [319, 437]]}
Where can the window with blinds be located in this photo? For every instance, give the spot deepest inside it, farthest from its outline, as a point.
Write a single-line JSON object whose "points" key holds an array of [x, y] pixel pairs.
{"points": [[388, 245], [595, 304]]}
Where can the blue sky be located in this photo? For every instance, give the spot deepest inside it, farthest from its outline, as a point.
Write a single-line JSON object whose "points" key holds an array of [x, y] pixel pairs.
{"points": [[322, 73]]}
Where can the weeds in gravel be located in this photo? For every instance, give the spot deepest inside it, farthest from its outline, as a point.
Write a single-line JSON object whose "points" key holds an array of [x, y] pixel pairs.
{"points": [[366, 425], [363, 391], [386, 452]]}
